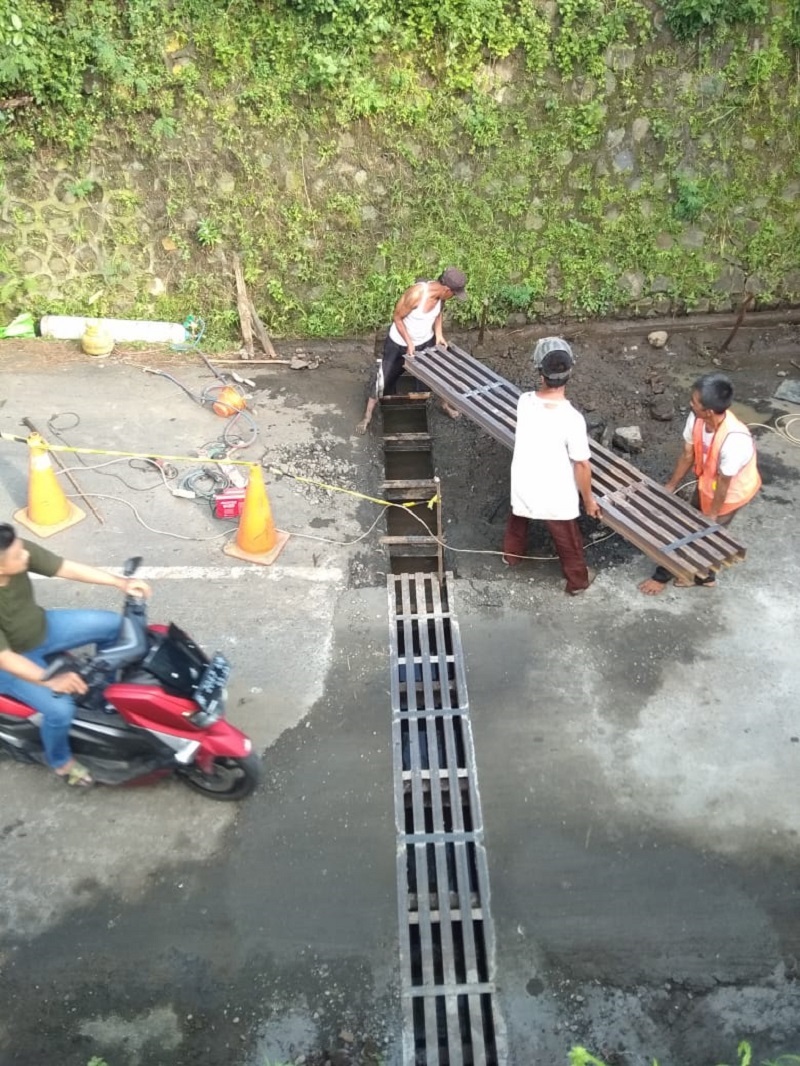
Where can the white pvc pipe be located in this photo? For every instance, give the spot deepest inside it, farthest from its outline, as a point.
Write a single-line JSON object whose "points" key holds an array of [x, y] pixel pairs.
{"points": [[72, 328]]}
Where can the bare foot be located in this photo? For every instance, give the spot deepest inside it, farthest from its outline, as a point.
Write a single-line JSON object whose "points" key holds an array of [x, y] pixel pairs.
{"points": [[651, 587], [680, 583], [361, 428], [450, 411]]}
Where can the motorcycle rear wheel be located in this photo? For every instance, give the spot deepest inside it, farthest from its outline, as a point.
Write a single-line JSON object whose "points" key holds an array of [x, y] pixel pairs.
{"points": [[232, 779]]}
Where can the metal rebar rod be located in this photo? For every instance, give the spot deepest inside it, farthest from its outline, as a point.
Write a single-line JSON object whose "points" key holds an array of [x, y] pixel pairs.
{"points": [[29, 425], [439, 536]]}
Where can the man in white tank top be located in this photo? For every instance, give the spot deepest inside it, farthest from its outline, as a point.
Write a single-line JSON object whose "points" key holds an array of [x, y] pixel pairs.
{"points": [[416, 325]]}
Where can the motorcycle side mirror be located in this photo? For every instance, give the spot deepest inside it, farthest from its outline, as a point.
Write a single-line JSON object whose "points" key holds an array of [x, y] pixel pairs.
{"points": [[131, 566]]}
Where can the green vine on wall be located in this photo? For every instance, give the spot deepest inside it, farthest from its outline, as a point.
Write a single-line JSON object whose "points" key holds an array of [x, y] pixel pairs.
{"points": [[482, 132], [688, 18]]}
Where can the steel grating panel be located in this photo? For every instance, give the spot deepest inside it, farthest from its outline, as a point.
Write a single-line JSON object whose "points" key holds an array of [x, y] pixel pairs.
{"points": [[447, 944], [664, 527]]}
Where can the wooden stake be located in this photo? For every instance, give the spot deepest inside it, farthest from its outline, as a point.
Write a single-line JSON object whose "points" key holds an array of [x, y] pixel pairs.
{"points": [[748, 299], [482, 328], [439, 531], [261, 333], [243, 307], [257, 362], [29, 425]]}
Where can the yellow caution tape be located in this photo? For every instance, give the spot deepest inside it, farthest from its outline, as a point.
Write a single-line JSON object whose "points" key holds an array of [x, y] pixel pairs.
{"points": [[352, 492], [41, 443], [38, 441]]}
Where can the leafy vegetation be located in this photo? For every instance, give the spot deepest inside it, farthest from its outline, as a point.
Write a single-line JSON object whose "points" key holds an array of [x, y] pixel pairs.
{"points": [[689, 201], [687, 18], [579, 1056], [344, 147]]}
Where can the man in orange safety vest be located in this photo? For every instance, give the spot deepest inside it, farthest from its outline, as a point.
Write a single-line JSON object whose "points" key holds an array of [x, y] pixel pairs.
{"points": [[721, 450]]}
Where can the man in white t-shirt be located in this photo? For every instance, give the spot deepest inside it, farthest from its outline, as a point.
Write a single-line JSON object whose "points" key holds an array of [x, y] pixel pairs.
{"points": [[722, 452], [550, 470]]}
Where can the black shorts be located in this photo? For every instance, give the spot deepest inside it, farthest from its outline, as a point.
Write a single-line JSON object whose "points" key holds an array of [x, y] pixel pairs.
{"points": [[390, 366]]}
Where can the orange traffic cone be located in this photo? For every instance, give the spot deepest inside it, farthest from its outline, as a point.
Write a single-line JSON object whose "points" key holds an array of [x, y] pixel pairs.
{"points": [[257, 539], [48, 511]]}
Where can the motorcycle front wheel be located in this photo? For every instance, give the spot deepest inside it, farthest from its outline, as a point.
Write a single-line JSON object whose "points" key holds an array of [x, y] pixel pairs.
{"points": [[230, 779]]}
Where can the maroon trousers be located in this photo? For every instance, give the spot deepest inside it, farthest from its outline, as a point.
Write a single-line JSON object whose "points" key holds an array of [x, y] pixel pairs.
{"points": [[568, 542]]}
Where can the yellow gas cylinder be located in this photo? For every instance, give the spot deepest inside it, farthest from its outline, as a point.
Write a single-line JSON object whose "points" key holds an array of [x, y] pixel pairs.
{"points": [[96, 339]]}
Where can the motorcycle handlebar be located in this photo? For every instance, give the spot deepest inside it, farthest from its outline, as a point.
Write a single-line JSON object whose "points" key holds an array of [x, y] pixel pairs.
{"points": [[135, 610]]}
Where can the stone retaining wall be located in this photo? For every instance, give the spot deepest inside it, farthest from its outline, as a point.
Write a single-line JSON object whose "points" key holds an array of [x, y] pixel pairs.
{"points": [[122, 233]]}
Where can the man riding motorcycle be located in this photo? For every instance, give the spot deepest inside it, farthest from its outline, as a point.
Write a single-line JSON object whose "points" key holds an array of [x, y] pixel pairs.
{"points": [[28, 634]]}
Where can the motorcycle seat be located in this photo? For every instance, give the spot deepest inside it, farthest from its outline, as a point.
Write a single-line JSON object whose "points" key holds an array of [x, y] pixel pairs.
{"points": [[15, 703]]}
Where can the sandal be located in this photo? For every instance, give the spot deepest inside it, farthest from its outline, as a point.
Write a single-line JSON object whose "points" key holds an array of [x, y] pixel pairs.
{"points": [[77, 776], [706, 582], [592, 575], [698, 582]]}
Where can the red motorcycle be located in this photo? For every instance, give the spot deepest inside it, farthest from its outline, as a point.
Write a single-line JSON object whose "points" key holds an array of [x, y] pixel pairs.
{"points": [[155, 706]]}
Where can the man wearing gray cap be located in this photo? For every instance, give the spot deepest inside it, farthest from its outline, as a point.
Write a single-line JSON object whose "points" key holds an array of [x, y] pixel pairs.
{"points": [[550, 469], [416, 325]]}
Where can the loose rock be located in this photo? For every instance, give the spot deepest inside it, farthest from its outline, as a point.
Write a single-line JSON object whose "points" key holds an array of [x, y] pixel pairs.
{"points": [[661, 409], [629, 438], [658, 338], [595, 425]]}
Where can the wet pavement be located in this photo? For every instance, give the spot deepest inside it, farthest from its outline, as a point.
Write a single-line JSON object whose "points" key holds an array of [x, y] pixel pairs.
{"points": [[638, 764]]}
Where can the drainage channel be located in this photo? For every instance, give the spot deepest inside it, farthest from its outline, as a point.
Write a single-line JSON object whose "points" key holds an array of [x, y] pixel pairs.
{"points": [[410, 478], [447, 948]]}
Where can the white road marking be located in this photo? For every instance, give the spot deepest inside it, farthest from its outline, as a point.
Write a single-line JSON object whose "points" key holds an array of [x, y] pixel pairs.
{"points": [[315, 574], [321, 574]]}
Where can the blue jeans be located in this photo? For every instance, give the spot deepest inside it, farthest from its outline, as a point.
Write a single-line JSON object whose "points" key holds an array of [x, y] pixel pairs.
{"points": [[65, 630]]}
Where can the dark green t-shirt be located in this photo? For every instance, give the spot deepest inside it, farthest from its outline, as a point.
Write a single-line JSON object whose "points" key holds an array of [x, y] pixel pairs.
{"points": [[22, 622]]}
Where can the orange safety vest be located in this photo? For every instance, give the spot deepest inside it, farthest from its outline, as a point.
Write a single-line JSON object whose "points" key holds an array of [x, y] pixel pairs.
{"points": [[744, 485]]}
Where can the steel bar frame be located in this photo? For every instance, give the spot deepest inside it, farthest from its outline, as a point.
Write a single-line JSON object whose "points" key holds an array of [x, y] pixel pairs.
{"points": [[664, 527]]}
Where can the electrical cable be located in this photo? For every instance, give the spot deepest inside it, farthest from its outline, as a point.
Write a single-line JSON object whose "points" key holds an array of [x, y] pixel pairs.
{"points": [[494, 551], [781, 428], [187, 485], [167, 471], [236, 415], [341, 543], [169, 377], [231, 530], [191, 482], [408, 510], [141, 521]]}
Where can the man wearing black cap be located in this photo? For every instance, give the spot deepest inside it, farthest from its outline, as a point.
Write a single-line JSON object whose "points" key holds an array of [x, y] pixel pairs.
{"points": [[550, 469], [416, 325]]}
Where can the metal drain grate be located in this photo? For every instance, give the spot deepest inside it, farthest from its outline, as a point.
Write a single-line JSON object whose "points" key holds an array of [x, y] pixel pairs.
{"points": [[446, 932]]}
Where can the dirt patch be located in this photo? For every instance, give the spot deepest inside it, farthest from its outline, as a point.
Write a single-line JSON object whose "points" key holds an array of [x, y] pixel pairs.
{"points": [[620, 380]]}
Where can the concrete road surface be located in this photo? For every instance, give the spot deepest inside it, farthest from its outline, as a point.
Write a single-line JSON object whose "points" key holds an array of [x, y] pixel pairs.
{"points": [[639, 765]]}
